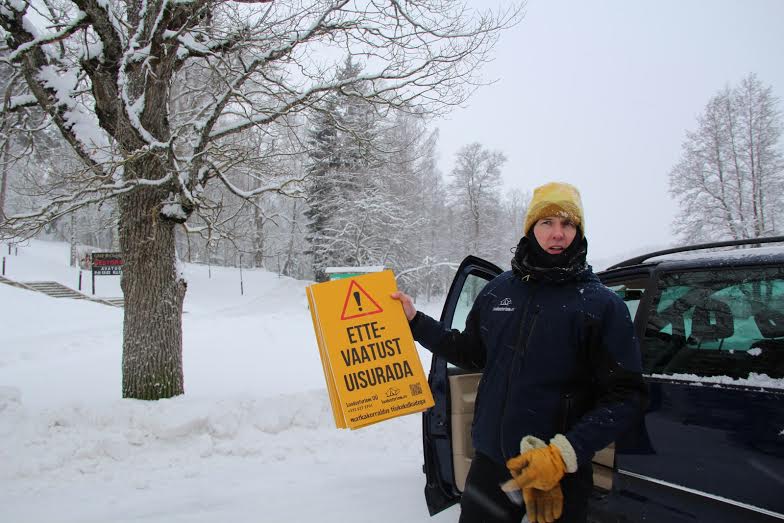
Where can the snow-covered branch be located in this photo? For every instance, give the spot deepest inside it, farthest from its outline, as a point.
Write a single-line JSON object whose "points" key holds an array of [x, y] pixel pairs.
{"points": [[164, 94], [36, 41]]}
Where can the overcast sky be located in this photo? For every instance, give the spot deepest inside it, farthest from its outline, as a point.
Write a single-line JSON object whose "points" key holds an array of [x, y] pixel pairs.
{"points": [[600, 94]]}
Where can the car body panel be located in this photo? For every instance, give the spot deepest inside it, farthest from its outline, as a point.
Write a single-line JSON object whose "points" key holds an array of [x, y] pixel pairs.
{"points": [[706, 445], [705, 449]]}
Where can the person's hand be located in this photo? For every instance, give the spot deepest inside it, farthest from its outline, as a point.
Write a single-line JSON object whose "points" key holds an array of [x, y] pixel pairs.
{"points": [[539, 468], [543, 506], [407, 303]]}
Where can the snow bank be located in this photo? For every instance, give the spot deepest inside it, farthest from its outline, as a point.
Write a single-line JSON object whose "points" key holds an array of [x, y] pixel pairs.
{"points": [[253, 438]]}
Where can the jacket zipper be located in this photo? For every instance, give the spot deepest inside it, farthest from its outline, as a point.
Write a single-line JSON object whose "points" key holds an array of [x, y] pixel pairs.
{"points": [[567, 402], [517, 352], [530, 331]]}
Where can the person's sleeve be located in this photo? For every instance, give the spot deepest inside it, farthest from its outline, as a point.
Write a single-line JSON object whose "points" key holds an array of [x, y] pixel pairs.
{"points": [[463, 349], [621, 393]]}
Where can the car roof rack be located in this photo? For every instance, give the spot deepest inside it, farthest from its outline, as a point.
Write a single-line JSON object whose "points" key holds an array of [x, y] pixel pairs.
{"points": [[712, 245]]}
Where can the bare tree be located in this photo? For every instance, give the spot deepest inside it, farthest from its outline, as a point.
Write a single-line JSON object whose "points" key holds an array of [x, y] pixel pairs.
{"points": [[730, 179], [151, 95], [514, 206], [475, 191], [17, 129]]}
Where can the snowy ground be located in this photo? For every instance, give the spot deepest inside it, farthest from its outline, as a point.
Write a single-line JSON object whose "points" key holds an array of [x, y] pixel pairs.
{"points": [[251, 440]]}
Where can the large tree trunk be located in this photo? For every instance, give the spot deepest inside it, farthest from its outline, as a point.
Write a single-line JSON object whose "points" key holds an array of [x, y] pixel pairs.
{"points": [[258, 238], [154, 293], [288, 266], [4, 177]]}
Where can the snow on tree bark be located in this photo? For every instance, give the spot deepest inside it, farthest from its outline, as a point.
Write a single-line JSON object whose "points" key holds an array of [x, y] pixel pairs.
{"points": [[154, 293]]}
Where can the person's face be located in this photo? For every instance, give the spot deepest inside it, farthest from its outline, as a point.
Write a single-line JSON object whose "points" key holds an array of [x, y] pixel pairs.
{"points": [[555, 234]]}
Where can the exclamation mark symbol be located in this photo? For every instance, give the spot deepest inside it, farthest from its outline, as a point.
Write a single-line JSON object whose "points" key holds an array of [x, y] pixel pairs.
{"points": [[359, 303]]}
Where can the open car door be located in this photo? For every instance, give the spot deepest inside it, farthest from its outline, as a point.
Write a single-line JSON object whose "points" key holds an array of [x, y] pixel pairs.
{"points": [[446, 427]]}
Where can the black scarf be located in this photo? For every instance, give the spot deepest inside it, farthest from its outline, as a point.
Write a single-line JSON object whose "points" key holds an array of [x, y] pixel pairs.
{"points": [[530, 260]]}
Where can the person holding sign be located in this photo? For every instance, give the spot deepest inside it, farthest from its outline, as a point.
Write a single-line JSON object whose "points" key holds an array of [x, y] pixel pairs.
{"points": [[561, 370]]}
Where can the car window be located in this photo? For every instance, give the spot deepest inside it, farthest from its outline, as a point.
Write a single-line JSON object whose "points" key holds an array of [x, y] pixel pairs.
{"points": [[471, 288], [631, 293], [726, 322]]}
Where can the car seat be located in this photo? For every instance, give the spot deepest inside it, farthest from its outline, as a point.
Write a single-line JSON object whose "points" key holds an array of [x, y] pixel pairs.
{"points": [[711, 321]]}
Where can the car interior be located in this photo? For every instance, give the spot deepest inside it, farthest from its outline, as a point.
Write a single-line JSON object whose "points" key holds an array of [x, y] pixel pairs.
{"points": [[694, 330]]}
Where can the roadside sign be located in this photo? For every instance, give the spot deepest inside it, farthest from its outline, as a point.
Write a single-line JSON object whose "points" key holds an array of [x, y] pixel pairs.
{"points": [[107, 263], [371, 365]]}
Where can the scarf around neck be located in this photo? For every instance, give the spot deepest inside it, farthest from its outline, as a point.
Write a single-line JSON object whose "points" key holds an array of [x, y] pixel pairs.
{"points": [[533, 261]]}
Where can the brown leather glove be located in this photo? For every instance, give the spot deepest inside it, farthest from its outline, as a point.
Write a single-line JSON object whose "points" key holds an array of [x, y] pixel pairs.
{"points": [[538, 468], [543, 506], [542, 467]]}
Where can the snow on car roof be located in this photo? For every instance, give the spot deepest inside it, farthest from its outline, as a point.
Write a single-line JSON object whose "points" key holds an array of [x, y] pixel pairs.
{"points": [[734, 255]]}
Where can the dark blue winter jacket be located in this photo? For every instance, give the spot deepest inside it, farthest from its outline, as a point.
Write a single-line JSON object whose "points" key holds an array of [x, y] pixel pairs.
{"points": [[556, 358]]}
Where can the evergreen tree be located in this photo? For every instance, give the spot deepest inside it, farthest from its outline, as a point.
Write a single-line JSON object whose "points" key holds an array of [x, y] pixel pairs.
{"points": [[344, 197], [323, 191]]}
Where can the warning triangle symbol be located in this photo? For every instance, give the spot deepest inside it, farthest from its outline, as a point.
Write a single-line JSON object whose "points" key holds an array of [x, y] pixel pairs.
{"points": [[358, 303]]}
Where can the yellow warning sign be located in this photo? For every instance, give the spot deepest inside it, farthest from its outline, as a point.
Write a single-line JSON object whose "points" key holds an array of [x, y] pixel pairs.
{"points": [[370, 362]]}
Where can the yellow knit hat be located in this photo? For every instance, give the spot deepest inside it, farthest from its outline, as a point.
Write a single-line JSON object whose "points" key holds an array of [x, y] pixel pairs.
{"points": [[555, 199]]}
